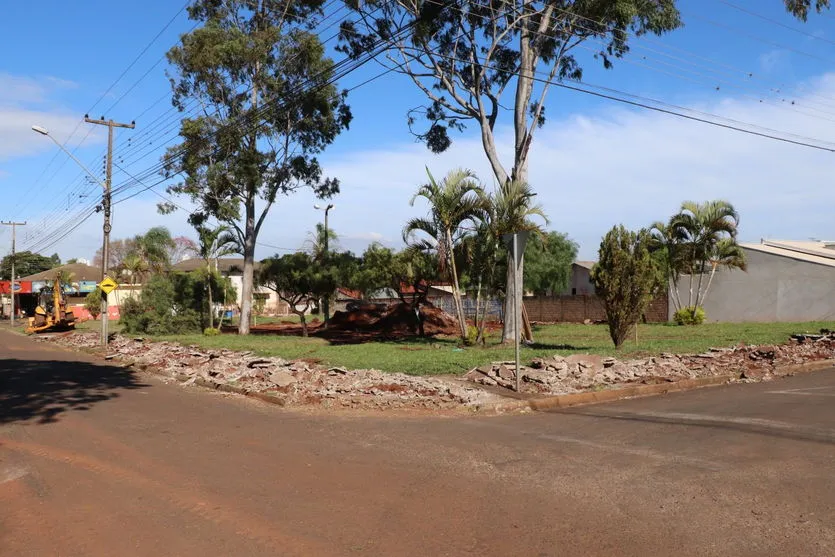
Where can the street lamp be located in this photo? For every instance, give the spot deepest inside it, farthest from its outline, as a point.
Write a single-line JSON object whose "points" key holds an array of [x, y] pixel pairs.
{"points": [[105, 247], [43, 131], [327, 209]]}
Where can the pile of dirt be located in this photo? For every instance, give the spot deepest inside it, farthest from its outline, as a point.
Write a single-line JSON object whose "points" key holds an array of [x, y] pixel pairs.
{"points": [[362, 317], [293, 383], [395, 321]]}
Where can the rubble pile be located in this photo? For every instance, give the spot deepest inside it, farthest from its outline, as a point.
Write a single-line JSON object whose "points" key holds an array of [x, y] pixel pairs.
{"points": [[395, 321], [582, 372], [292, 382], [300, 382]]}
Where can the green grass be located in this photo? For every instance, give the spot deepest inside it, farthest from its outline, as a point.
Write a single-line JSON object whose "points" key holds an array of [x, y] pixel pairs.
{"points": [[444, 356], [112, 326]]}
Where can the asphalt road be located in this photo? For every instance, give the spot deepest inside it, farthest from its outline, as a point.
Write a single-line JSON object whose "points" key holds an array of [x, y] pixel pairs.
{"points": [[95, 460]]}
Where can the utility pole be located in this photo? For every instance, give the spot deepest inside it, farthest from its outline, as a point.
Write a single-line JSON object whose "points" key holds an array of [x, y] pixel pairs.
{"points": [[14, 226], [105, 250]]}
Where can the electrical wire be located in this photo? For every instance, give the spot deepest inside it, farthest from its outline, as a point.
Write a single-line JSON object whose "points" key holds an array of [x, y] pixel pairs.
{"points": [[352, 65], [95, 104]]}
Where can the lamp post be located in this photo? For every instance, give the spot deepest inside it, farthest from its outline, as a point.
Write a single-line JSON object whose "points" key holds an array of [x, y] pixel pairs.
{"points": [[327, 209], [106, 200]]}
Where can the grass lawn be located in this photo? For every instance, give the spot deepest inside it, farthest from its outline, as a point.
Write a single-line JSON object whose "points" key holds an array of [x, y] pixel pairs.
{"points": [[95, 325], [444, 356]]}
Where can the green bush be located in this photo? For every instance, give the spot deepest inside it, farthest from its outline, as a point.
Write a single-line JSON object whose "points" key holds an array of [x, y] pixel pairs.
{"points": [[93, 303], [689, 316], [169, 304], [472, 335], [210, 332]]}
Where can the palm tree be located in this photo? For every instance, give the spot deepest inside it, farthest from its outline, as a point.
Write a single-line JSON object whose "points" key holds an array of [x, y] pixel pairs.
{"points": [[316, 242], [665, 245], [706, 233], [452, 202], [513, 207], [212, 244], [480, 250], [155, 247], [135, 267], [728, 254]]}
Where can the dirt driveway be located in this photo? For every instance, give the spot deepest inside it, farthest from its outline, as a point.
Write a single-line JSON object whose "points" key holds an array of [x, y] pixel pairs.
{"points": [[95, 460]]}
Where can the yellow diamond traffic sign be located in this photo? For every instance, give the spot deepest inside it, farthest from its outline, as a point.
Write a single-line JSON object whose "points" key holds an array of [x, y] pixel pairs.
{"points": [[108, 285]]}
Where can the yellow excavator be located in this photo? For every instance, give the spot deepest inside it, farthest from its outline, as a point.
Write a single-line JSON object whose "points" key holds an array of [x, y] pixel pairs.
{"points": [[51, 313]]}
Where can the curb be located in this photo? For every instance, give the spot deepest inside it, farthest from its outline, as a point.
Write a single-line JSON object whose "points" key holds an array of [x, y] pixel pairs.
{"points": [[806, 367], [596, 397], [577, 399]]}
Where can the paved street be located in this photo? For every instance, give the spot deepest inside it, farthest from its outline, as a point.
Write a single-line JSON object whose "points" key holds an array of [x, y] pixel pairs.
{"points": [[95, 460]]}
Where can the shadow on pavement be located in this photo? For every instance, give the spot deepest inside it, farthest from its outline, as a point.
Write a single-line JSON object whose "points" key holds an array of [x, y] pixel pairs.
{"points": [[41, 390], [783, 431]]}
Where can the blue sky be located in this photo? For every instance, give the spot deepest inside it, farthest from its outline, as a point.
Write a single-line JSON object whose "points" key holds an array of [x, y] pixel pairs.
{"points": [[595, 163]]}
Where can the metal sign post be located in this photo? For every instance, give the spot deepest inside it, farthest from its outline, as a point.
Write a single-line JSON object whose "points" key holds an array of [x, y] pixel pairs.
{"points": [[516, 244]]}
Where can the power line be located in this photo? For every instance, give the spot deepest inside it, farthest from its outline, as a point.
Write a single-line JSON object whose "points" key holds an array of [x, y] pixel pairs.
{"points": [[344, 67], [673, 110], [101, 97], [775, 22]]}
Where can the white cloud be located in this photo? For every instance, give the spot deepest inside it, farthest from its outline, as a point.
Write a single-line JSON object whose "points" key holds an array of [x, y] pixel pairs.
{"points": [[26, 101], [633, 167]]}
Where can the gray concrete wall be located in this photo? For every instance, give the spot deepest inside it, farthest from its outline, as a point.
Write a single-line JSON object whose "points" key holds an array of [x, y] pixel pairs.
{"points": [[774, 288]]}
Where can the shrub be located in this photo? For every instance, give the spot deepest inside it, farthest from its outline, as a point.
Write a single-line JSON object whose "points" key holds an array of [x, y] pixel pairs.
{"points": [[168, 305], [210, 332], [689, 316], [93, 303], [472, 336], [626, 279]]}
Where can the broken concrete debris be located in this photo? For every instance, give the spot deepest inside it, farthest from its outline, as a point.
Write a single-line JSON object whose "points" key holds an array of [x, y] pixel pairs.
{"points": [[304, 383], [294, 382], [582, 372]]}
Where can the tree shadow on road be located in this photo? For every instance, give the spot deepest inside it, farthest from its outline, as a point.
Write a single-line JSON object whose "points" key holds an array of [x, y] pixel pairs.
{"points": [[796, 433], [41, 390]]}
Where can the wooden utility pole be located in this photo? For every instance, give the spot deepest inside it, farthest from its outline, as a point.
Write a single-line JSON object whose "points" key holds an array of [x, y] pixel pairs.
{"points": [[14, 226], [105, 250]]}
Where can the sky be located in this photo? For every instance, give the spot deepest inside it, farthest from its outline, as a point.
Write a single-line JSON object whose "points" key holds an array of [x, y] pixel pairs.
{"points": [[594, 164]]}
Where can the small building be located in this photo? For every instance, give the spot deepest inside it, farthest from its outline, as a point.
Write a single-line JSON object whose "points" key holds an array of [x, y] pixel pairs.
{"points": [[786, 281], [83, 280], [580, 282], [233, 269]]}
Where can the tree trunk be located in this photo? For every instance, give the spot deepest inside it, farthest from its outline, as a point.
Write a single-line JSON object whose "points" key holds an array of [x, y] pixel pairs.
{"points": [[509, 331], [699, 286], [477, 312], [489, 144], [303, 322], [676, 293], [220, 321], [709, 281], [524, 89], [209, 285], [456, 293], [527, 330], [249, 267]]}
